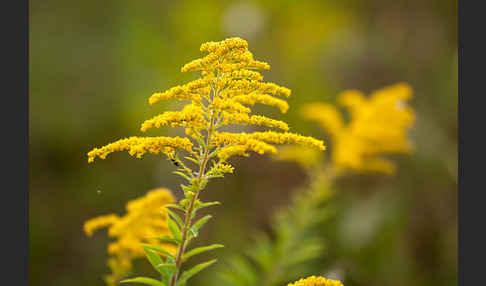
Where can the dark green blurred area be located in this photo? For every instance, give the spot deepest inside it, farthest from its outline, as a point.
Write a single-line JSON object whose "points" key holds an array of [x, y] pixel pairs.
{"points": [[93, 65]]}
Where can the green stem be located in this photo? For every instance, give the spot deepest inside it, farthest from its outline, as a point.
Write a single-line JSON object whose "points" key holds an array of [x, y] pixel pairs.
{"points": [[190, 212]]}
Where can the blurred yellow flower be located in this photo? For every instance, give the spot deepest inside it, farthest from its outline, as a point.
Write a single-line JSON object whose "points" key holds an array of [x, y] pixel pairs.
{"points": [[145, 219], [316, 281], [378, 125]]}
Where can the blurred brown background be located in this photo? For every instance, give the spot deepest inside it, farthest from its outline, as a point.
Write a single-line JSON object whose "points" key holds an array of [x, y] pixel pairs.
{"points": [[93, 65]]}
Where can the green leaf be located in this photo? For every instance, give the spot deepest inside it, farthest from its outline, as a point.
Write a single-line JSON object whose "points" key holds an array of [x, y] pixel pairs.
{"points": [[166, 238], [176, 217], [182, 175], [193, 271], [170, 260], [169, 266], [197, 225], [153, 258], [175, 206], [174, 229], [144, 280], [158, 249], [192, 160], [198, 250], [205, 205], [167, 270]]}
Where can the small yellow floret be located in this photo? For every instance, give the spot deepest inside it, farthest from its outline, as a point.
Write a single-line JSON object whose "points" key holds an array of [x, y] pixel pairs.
{"points": [[191, 115]]}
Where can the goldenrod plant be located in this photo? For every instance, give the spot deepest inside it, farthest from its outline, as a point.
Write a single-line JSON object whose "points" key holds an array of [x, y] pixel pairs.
{"points": [[229, 84], [378, 126], [144, 221]]}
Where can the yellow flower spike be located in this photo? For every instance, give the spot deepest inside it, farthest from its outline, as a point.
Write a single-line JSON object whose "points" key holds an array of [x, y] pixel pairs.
{"points": [[316, 281], [378, 126], [190, 115], [224, 94]]}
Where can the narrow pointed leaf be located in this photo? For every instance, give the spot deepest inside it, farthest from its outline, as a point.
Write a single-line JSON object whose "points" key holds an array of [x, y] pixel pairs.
{"points": [[208, 204], [144, 280], [198, 250], [182, 175], [167, 270], [176, 217], [158, 249], [193, 271], [166, 238], [192, 160], [153, 258], [174, 229], [169, 266], [197, 225], [175, 207]]}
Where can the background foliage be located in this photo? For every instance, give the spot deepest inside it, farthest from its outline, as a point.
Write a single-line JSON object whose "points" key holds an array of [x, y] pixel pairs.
{"points": [[94, 64]]}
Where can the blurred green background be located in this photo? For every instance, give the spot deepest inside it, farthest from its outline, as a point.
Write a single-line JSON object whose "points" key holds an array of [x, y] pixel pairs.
{"points": [[93, 65]]}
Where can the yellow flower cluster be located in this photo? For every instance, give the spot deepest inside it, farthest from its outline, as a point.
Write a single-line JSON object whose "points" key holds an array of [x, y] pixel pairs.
{"points": [[259, 142], [188, 91], [145, 218], [316, 281], [138, 146], [221, 169], [190, 115], [226, 56], [252, 98], [378, 125], [229, 85], [244, 119]]}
